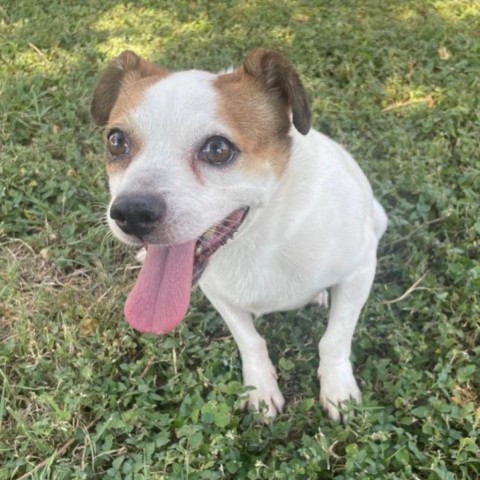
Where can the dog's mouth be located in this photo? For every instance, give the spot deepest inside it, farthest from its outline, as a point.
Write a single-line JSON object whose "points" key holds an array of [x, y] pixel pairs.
{"points": [[214, 238], [161, 295]]}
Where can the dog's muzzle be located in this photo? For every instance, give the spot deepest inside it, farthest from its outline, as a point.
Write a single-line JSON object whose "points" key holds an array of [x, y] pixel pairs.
{"points": [[138, 215]]}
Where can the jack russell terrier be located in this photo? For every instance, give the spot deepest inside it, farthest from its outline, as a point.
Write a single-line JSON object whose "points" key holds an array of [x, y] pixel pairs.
{"points": [[222, 180]]}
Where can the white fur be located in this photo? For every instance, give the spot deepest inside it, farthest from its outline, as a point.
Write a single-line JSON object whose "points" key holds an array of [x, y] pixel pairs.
{"points": [[315, 227], [320, 229]]}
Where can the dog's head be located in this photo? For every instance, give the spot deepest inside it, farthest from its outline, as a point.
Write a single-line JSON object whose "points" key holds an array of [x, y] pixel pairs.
{"points": [[190, 152]]}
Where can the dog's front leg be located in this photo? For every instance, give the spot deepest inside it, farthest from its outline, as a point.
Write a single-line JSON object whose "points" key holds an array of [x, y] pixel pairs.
{"points": [[337, 383], [258, 370]]}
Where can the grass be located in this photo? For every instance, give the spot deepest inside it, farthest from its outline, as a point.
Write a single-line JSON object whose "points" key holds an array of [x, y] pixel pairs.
{"points": [[82, 396]]}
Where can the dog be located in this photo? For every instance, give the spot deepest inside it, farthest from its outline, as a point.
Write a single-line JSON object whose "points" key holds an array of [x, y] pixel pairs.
{"points": [[224, 182]]}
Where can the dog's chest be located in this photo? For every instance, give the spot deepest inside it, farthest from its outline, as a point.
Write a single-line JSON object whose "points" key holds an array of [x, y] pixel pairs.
{"points": [[262, 281]]}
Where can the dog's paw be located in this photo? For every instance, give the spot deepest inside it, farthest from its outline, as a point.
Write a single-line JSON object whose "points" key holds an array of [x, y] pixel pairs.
{"points": [[141, 255], [265, 398], [337, 385]]}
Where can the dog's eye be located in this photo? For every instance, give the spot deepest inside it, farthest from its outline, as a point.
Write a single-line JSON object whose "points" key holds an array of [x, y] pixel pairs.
{"points": [[117, 144], [218, 150]]}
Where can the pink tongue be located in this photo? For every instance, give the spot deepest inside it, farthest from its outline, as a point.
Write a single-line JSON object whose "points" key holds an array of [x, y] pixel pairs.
{"points": [[161, 295]]}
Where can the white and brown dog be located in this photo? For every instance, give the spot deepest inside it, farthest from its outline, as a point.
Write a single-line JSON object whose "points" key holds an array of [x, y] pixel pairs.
{"points": [[223, 181]]}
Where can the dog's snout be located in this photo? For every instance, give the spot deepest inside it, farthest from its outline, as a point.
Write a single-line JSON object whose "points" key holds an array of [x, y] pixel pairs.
{"points": [[138, 214]]}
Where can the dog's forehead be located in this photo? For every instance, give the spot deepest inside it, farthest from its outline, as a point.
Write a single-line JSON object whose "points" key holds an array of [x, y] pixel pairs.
{"points": [[181, 104]]}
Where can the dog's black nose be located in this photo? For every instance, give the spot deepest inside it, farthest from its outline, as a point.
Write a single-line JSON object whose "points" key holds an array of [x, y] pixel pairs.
{"points": [[138, 214]]}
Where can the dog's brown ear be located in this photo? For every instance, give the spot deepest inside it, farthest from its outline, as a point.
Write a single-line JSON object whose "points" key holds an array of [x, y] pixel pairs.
{"points": [[125, 69], [280, 78]]}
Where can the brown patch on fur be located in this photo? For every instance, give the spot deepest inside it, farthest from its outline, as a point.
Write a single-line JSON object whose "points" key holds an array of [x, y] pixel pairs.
{"points": [[260, 128], [119, 90], [256, 102], [129, 98], [128, 68]]}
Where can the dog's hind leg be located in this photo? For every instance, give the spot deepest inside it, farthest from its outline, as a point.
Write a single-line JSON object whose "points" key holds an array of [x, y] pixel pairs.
{"points": [[258, 370], [337, 383]]}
